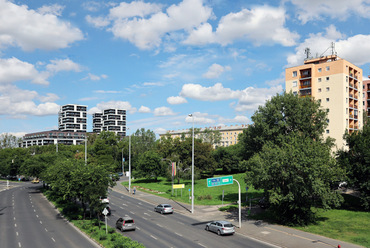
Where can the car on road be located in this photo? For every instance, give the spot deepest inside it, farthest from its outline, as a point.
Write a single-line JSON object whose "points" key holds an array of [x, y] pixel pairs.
{"points": [[164, 209], [125, 223], [35, 180], [221, 227], [104, 199]]}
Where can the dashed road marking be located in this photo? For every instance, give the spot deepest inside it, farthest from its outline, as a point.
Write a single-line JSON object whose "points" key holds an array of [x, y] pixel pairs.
{"points": [[153, 237]]}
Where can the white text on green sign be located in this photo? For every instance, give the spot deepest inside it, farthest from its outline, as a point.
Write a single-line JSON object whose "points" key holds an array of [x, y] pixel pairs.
{"points": [[219, 181]]}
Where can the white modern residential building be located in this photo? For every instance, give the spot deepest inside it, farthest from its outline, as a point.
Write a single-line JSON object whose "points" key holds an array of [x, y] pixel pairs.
{"points": [[72, 118], [52, 138], [112, 120]]}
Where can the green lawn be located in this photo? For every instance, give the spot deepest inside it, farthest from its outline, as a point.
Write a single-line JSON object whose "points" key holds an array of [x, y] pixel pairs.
{"points": [[346, 224], [203, 195], [349, 226]]}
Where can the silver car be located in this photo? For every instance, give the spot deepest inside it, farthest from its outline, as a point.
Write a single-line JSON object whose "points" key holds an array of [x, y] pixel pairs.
{"points": [[221, 227], [125, 223], [164, 209]]}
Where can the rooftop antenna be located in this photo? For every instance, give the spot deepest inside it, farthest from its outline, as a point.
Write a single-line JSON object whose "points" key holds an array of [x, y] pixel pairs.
{"points": [[333, 52], [307, 52]]}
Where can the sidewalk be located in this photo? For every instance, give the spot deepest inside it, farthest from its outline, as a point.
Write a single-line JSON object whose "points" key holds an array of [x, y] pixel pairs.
{"points": [[279, 236]]}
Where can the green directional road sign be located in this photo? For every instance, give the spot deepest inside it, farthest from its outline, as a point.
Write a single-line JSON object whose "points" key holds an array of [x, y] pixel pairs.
{"points": [[219, 181]]}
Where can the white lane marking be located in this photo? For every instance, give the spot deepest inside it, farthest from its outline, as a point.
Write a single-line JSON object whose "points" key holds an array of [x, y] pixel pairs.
{"points": [[32, 206], [17, 233], [19, 244], [159, 225], [139, 203], [37, 216], [14, 218], [15, 225], [46, 230], [129, 202], [34, 210], [145, 218], [147, 214], [132, 212], [121, 207], [137, 228], [40, 222], [53, 239], [180, 222], [124, 204], [201, 245], [178, 234], [153, 237]]}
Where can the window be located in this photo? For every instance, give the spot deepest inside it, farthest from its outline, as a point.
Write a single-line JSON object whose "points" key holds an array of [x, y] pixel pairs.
{"points": [[327, 120], [327, 78], [319, 80], [294, 73], [295, 93], [328, 68], [347, 79], [294, 83], [319, 70], [319, 90], [327, 88], [327, 130], [327, 99], [319, 100]]}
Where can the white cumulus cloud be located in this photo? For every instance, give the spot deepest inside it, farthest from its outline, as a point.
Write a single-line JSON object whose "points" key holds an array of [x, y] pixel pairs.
{"points": [[215, 71], [144, 109], [40, 29], [174, 100], [163, 111]]}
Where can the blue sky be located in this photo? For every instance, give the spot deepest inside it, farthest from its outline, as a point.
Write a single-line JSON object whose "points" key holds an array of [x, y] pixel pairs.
{"points": [[162, 60]]}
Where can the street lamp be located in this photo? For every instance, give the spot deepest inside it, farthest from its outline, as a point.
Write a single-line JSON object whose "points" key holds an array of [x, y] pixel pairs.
{"points": [[192, 168], [129, 164]]}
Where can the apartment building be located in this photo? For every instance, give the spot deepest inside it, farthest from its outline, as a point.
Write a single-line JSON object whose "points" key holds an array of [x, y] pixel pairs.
{"points": [[52, 138], [112, 120], [366, 96], [337, 85], [229, 134], [72, 118]]}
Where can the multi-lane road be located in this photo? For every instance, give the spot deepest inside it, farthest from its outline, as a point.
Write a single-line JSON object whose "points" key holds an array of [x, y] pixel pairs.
{"points": [[172, 230], [27, 219]]}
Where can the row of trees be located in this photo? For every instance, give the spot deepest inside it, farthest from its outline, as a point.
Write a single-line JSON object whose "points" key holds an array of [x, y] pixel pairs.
{"points": [[283, 152]]}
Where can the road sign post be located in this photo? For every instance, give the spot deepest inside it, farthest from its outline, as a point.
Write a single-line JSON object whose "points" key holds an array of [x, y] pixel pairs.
{"points": [[105, 212], [219, 181]]}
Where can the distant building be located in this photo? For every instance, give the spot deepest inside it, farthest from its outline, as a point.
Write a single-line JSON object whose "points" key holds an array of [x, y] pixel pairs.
{"points": [[229, 134], [112, 120], [337, 85], [366, 93], [52, 138], [72, 118]]}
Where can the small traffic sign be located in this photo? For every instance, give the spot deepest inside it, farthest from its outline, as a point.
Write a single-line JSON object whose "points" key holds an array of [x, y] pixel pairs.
{"points": [[219, 181], [105, 211]]}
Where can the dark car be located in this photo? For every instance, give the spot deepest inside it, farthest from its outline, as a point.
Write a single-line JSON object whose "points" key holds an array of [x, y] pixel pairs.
{"points": [[221, 227], [164, 209], [263, 203], [125, 223]]}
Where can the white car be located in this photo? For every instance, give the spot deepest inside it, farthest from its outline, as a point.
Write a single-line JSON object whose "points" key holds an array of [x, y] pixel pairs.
{"points": [[221, 227], [104, 199]]}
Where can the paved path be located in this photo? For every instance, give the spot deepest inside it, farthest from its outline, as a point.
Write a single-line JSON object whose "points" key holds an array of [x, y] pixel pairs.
{"points": [[277, 235]]}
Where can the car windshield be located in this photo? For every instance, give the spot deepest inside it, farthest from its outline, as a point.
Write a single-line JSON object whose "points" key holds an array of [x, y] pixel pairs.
{"points": [[129, 221], [167, 206], [228, 225]]}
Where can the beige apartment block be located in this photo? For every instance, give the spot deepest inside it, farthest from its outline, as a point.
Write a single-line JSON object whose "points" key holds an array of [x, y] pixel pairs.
{"points": [[366, 94], [229, 134], [337, 85]]}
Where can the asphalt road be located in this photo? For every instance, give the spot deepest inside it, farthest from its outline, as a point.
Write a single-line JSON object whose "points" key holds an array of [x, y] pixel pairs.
{"points": [[27, 219], [171, 230]]}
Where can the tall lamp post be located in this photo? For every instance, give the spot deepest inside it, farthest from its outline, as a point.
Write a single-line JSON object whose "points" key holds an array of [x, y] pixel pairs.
{"points": [[192, 168], [129, 164]]}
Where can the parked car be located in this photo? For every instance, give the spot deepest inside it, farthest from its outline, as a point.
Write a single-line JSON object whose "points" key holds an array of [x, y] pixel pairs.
{"points": [[164, 209], [125, 223], [221, 227], [35, 180], [104, 199]]}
